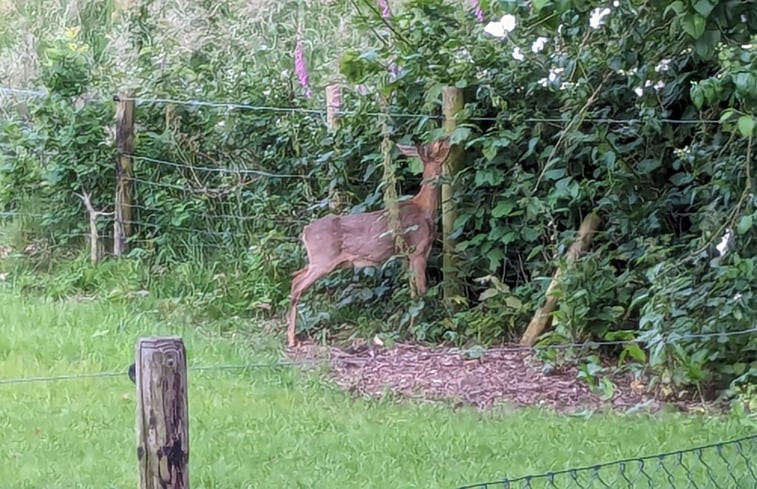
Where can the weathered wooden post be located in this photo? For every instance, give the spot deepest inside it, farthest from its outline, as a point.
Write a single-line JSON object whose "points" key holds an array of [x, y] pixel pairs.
{"points": [[162, 413], [124, 172], [333, 105], [452, 100]]}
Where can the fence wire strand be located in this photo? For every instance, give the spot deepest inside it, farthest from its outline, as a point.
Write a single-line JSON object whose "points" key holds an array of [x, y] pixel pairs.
{"points": [[239, 171], [463, 353], [397, 115]]}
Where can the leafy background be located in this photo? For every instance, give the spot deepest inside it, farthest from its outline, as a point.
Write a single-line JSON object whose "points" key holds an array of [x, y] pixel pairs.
{"points": [[646, 120]]}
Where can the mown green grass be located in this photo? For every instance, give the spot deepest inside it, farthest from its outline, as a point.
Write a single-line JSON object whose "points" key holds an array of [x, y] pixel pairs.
{"points": [[269, 427]]}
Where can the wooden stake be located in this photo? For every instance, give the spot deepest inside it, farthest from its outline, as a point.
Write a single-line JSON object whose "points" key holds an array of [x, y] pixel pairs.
{"points": [[452, 99], [333, 105], [541, 318], [162, 414], [124, 173]]}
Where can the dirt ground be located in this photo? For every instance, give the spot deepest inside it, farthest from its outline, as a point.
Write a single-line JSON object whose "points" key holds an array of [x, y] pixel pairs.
{"points": [[500, 376]]}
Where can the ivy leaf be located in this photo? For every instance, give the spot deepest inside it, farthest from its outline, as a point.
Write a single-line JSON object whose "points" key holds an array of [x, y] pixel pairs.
{"points": [[745, 224], [649, 165], [539, 4], [503, 208], [746, 125], [460, 134], [694, 25], [705, 45], [704, 7], [488, 294]]}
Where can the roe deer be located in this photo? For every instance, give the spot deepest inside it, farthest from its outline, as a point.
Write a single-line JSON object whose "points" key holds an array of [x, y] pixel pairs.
{"points": [[362, 240]]}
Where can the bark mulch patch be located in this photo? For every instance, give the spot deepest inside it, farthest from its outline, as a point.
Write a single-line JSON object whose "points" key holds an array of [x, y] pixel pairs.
{"points": [[512, 378]]}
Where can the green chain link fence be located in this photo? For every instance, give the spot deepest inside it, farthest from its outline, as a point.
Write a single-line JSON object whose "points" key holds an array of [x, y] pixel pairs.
{"points": [[726, 465]]}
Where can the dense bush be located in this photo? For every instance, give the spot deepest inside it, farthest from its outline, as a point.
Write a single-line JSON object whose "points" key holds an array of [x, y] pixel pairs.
{"points": [[640, 112]]}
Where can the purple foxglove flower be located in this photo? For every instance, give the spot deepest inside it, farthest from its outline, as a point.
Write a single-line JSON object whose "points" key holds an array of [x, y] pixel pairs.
{"points": [[300, 67], [384, 6], [477, 10]]}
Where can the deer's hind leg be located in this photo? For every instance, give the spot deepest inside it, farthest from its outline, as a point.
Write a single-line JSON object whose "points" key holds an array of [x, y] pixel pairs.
{"points": [[301, 280], [418, 269]]}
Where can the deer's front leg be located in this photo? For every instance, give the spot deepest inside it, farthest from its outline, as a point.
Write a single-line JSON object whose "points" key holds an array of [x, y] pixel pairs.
{"points": [[418, 269]]}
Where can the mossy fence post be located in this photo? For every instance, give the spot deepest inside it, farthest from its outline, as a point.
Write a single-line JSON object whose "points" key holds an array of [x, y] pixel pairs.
{"points": [[162, 413], [452, 103], [124, 173]]}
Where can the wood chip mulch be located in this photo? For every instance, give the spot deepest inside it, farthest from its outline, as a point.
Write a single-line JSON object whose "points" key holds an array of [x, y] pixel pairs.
{"points": [[513, 378]]}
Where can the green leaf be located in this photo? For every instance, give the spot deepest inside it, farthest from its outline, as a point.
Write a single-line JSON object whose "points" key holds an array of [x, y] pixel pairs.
{"points": [[460, 134], [705, 45], [745, 224], [635, 352], [489, 176], [539, 4], [746, 125], [694, 25], [488, 294], [513, 302], [704, 7], [678, 7], [742, 81], [649, 165], [503, 208]]}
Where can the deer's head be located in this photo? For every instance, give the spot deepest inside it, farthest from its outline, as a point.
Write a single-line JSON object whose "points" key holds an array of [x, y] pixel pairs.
{"points": [[432, 155]]}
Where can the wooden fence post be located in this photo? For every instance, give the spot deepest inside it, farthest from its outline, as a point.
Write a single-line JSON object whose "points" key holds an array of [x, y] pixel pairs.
{"points": [[452, 99], [124, 173], [162, 413]]}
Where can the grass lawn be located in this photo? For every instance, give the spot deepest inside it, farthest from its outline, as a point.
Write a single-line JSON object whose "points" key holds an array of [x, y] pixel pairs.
{"points": [[270, 428]]}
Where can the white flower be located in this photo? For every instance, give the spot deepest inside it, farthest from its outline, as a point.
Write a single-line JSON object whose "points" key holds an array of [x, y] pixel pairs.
{"points": [[553, 72], [597, 17], [500, 29], [663, 65], [517, 54], [659, 85], [508, 22], [638, 91], [616, 3], [723, 245], [539, 44]]}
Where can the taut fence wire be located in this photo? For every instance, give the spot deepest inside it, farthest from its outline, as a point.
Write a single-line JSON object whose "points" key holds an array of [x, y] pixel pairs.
{"points": [[398, 115], [460, 352], [724, 465]]}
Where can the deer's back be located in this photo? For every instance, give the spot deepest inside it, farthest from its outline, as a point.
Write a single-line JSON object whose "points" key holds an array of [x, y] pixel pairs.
{"points": [[362, 239]]}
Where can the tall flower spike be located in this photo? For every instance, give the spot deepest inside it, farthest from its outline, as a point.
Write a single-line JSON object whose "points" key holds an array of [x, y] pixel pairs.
{"points": [[384, 6], [300, 67], [477, 10]]}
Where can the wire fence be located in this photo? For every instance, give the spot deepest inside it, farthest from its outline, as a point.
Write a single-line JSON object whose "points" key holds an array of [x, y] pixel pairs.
{"points": [[725, 465], [231, 105], [462, 353]]}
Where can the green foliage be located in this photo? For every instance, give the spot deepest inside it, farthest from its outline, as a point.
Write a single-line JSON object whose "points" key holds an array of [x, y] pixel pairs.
{"points": [[646, 119]]}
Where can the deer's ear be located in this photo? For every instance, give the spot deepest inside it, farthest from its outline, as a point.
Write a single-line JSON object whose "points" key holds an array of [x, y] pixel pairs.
{"points": [[408, 150]]}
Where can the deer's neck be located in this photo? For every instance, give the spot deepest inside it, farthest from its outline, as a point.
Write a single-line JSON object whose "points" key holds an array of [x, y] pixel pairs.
{"points": [[427, 197]]}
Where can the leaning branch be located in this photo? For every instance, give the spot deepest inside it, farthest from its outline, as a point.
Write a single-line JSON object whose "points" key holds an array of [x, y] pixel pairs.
{"points": [[541, 318]]}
